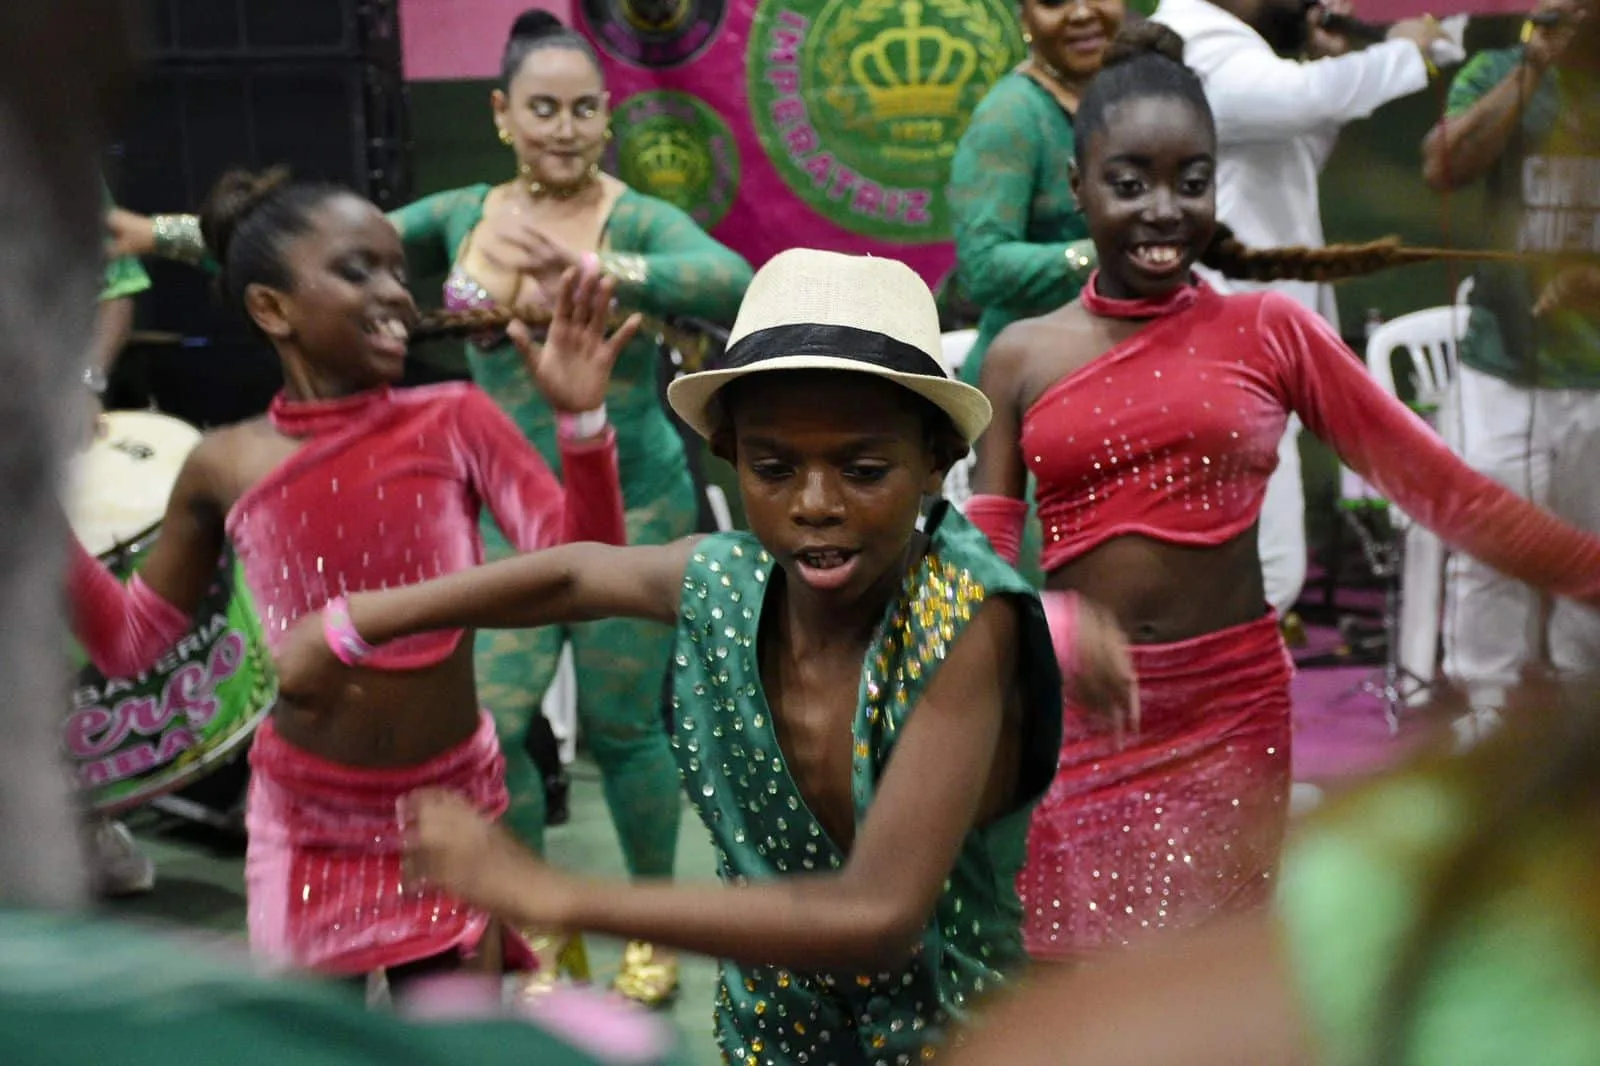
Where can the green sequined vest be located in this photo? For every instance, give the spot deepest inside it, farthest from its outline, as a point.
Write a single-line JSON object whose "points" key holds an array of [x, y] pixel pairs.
{"points": [[735, 775]]}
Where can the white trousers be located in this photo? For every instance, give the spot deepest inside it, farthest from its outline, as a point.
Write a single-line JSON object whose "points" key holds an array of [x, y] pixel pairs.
{"points": [[1281, 535], [1543, 444]]}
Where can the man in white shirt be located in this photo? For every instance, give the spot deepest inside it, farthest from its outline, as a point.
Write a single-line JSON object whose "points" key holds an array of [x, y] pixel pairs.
{"points": [[1277, 121]]}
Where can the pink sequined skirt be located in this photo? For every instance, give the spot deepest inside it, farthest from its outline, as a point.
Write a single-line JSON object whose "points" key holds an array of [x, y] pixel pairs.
{"points": [[1186, 821], [322, 869]]}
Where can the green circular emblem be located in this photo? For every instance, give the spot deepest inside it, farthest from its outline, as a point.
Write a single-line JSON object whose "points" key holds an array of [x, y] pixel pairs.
{"points": [[673, 146], [859, 103]]}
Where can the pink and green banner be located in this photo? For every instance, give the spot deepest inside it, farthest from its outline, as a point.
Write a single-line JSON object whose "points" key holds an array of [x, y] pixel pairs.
{"points": [[825, 123]]}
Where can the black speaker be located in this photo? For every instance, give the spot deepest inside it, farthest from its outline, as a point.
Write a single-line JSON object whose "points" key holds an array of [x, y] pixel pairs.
{"points": [[335, 121], [209, 30], [315, 85]]}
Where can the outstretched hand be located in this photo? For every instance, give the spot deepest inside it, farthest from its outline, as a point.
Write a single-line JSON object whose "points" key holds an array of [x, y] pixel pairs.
{"points": [[572, 368], [449, 845]]}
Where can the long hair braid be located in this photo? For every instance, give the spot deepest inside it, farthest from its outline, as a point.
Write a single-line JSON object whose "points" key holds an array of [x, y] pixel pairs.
{"points": [[692, 340], [1230, 257]]}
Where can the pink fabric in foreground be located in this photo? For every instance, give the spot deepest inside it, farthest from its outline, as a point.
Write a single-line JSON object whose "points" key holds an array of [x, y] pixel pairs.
{"points": [[1181, 823]]}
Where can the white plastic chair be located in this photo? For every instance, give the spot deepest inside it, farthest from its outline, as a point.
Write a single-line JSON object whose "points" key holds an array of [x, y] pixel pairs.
{"points": [[955, 348], [1430, 339]]}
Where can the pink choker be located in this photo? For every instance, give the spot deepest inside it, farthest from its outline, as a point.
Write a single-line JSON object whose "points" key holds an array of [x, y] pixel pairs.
{"points": [[1180, 299], [310, 418]]}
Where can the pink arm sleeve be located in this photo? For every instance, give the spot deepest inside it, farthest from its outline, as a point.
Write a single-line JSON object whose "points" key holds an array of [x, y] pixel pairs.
{"points": [[1001, 519], [124, 629], [1382, 440], [533, 509]]}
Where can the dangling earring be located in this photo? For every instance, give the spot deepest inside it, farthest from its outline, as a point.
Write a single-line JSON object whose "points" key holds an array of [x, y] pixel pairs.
{"points": [[608, 133], [1027, 38], [505, 136]]}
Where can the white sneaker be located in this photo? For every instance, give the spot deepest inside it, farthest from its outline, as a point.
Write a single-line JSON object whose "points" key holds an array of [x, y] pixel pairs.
{"points": [[118, 867]]}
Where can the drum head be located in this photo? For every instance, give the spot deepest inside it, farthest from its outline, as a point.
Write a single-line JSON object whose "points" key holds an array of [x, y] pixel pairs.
{"points": [[118, 487]]}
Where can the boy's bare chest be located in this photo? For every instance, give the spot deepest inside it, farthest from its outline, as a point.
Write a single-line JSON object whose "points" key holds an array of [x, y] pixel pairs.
{"points": [[813, 707]]}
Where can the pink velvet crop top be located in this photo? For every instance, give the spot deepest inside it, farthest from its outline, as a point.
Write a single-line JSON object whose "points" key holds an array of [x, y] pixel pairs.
{"points": [[1173, 433], [387, 491]]}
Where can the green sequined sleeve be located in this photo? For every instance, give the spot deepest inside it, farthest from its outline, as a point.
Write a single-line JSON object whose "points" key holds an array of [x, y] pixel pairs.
{"points": [[665, 264], [995, 180]]}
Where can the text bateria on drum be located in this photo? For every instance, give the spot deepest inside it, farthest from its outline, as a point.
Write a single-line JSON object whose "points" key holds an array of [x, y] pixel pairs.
{"points": [[131, 739]]}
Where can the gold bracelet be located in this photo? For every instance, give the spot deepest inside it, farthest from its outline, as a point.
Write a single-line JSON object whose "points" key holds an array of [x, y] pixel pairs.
{"points": [[628, 269], [178, 237]]}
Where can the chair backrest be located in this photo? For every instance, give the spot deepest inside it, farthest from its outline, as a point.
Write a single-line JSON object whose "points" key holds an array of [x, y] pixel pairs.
{"points": [[956, 345], [1429, 338]]}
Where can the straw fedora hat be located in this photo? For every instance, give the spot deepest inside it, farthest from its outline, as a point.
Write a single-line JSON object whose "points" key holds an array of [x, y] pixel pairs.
{"points": [[814, 310]]}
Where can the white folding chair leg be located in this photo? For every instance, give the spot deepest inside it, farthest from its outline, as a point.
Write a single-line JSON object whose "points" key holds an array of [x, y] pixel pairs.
{"points": [[1421, 595], [720, 510], [561, 705]]}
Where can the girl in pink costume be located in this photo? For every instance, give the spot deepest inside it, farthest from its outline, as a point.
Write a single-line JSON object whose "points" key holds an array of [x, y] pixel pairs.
{"points": [[1150, 410], [347, 484]]}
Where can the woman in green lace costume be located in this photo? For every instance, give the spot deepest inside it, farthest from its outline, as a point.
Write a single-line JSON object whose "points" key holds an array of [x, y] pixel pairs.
{"points": [[552, 113], [506, 245], [866, 696], [1022, 245]]}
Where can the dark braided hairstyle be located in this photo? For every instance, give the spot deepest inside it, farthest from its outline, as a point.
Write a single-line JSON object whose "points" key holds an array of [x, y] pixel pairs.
{"points": [[534, 31], [1146, 59], [247, 221]]}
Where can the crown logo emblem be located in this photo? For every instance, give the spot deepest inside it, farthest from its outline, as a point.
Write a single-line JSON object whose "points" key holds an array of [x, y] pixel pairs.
{"points": [[672, 160], [912, 70]]}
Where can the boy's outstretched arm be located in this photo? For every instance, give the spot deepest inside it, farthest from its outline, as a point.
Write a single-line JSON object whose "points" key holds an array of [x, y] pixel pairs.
{"points": [[940, 782], [570, 583]]}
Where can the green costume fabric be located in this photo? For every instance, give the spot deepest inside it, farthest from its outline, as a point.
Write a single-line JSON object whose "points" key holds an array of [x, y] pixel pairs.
{"points": [[733, 767], [621, 664], [1516, 977], [124, 276], [1022, 245], [74, 990], [1542, 197]]}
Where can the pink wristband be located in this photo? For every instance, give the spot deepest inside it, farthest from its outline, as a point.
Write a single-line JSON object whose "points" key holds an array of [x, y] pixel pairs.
{"points": [[1002, 519], [340, 633], [1061, 614]]}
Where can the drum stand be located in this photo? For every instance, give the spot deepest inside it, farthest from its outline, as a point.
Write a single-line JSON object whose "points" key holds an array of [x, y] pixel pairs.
{"points": [[1395, 686], [229, 820]]}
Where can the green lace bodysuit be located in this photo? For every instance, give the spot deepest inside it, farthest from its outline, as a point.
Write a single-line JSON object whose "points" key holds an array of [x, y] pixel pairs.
{"points": [[1022, 245], [664, 265]]}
